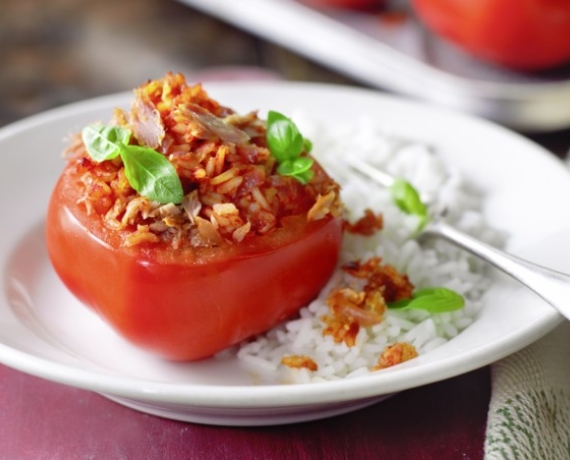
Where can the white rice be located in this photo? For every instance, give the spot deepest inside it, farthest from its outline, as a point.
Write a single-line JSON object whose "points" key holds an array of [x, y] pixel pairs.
{"points": [[434, 263]]}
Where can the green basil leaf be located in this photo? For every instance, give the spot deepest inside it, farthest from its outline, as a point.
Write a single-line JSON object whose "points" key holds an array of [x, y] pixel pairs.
{"points": [[299, 168], [304, 177], [104, 142], [297, 165], [408, 200], [432, 300], [283, 138], [399, 304], [151, 174], [437, 300], [307, 145]]}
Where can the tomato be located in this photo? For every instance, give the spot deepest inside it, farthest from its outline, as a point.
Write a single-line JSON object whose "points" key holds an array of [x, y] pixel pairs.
{"points": [[521, 34], [188, 305]]}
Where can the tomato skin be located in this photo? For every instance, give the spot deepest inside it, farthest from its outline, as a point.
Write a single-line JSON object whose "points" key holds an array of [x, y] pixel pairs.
{"points": [[186, 310], [521, 34]]}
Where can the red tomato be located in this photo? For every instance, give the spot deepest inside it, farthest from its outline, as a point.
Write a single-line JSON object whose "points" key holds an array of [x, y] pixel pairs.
{"points": [[522, 34], [187, 306]]}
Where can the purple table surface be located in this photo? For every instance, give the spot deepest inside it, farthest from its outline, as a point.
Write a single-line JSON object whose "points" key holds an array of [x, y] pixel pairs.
{"points": [[45, 420]]}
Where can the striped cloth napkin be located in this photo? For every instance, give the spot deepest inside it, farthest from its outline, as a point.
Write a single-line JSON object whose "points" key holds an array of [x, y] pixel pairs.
{"points": [[529, 413]]}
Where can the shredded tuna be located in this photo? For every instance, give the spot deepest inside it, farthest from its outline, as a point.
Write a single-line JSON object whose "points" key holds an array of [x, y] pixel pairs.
{"points": [[384, 279], [350, 308], [146, 122], [204, 125]]}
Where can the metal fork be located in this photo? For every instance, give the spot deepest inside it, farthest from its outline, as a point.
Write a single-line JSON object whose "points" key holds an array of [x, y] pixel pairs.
{"points": [[553, 286]]}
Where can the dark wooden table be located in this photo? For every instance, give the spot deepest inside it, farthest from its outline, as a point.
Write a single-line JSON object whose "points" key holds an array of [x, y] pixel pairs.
{"points": [[53, 53]]}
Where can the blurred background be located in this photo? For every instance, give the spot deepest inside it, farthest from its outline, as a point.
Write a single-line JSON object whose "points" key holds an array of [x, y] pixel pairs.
{"points": [[61, 51]]}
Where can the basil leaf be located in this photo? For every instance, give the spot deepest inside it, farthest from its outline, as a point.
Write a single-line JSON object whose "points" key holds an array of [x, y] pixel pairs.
{"points": [[151, 174], [437, 300], [299, 168], [399, 304], [147, 171], [432, 300], [104, 142], [408, 199], [304, 177], [297, 165], [283, 138]]}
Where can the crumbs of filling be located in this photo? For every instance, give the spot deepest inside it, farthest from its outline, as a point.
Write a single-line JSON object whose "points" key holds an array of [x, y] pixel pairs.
{"points": [[363, 304], [351, 307], [299, 362], [396, 353]]}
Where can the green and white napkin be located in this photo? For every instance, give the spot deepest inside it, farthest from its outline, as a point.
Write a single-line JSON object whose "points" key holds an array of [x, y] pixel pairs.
{"points": [[529, 413]]}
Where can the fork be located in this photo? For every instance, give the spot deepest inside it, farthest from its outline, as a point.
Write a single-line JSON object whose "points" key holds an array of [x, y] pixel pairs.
{"points": [[551, 285]]}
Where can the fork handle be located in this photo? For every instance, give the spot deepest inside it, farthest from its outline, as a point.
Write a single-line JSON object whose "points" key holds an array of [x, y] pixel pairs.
{"points": [[553, 286]]}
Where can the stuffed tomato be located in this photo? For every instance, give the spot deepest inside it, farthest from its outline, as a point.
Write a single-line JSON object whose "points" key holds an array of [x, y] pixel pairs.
{"points": [[531, 35], [190, 228]]}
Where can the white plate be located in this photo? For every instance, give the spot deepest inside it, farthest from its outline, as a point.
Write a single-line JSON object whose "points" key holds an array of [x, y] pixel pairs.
{"points": [[44, 331]]}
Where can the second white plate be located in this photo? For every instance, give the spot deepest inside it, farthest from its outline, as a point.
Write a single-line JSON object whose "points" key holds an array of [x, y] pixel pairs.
{"points": [[404, 58]]}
